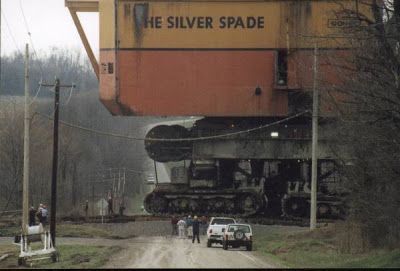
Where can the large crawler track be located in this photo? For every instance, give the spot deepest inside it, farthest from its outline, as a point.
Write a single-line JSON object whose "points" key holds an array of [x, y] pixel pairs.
{"points": [[240, 203]]}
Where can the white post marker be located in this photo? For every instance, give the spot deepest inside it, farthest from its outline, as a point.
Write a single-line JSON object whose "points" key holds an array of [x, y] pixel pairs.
{"points": [[101, 205]]}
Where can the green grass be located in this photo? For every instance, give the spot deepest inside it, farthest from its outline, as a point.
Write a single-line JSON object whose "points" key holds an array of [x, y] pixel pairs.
{"points": [[376, 259], [70, 230], [318, 250], [82, 230], [81, 256], [71, 256], [9, 230]]}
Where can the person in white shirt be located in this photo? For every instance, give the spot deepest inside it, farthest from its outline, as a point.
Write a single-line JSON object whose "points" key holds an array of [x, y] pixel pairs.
{"points": [[181, 228]]}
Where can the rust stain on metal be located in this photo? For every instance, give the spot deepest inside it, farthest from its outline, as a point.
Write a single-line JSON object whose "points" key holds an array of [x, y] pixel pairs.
{"points": [[300, 13], [140, 14], [127, 10]]}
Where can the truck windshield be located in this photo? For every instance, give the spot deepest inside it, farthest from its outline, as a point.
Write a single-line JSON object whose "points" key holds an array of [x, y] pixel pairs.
{"points": [[222, 221]]}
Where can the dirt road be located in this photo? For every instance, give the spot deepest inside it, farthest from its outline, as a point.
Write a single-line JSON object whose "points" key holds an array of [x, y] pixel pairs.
{"points": [[169, 252], [154, 247]]}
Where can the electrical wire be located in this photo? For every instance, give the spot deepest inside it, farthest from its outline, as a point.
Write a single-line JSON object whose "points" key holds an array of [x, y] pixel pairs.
{"points": [[37, 92], [34, 51], [10, 32], [70, 94], [30, 36], [175, 139]]}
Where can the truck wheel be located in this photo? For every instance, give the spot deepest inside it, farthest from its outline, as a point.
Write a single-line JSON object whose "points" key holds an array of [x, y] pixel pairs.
{"points": [[249, 247], [209, 243]]}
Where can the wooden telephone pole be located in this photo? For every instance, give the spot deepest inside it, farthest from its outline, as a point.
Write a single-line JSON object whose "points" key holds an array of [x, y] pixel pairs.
{"points": [[53, 205], [25, 186], [0, 46], [314, 168]]}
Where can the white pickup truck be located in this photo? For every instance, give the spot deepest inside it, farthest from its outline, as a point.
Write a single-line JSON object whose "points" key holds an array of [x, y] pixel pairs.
{"points": [[215, 231]]}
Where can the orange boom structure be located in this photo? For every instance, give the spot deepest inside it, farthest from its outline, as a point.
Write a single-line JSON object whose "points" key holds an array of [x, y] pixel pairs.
{"points": [[239, 64]]}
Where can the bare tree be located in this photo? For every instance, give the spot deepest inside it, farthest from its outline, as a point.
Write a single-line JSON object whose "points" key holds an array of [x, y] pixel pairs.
{"points": [[369, 121]]}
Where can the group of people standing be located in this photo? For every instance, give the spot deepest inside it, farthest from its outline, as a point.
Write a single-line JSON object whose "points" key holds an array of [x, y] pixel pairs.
{"points": [[41, 213], [188, 227], [110, 205]]}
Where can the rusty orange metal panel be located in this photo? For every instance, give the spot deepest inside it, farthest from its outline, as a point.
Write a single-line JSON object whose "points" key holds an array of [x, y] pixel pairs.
{"points": [[331, 75], [177, 58], [205, 83]]}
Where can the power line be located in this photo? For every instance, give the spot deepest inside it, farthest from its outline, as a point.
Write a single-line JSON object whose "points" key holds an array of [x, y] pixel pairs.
{"points": [[34, 50], [70, 94], [37, 92], [30, 35], [175, 139], [10, 32]]}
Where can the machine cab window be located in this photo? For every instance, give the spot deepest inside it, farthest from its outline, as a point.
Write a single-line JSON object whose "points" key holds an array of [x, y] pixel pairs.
{"points": [[281, 68]]}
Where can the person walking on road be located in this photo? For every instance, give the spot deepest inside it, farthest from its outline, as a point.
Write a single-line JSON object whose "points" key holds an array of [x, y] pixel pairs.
{"points": [[189, 223], [203, 225], [174, 224], [181, 227], [196, 229]]}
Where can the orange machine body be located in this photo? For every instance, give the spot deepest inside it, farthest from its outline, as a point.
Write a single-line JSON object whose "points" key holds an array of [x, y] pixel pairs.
{"points": [[214, 58]]}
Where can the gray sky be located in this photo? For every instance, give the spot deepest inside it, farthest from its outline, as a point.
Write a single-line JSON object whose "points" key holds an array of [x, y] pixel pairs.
{"points": [[50, 25]]}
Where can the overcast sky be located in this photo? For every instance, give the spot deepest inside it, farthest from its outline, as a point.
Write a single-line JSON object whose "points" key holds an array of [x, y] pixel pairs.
{"points": [[50, 24]]}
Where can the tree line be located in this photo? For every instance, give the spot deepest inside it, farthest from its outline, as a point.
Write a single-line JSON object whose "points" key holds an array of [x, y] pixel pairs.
{"points": [[70, 65], [82, 155]]}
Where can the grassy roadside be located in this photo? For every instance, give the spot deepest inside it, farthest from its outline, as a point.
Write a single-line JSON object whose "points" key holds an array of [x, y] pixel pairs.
{"points": [[70, 230], [318, 249], [71, 256]]}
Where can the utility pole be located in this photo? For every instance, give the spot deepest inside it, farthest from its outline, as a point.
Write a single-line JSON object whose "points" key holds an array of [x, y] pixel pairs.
{"points": [[155, 170], [314, 168], [55, 163], [53, 204], [0, 47], [25, 186]]}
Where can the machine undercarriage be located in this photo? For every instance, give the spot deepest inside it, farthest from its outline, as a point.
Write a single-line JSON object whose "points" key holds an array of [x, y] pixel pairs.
{"points": [[266, 171]]}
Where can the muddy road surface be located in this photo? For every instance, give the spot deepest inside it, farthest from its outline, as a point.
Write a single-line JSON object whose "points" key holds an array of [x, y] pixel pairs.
{"points": [[172, 252], [169, 252], [154, 247]]}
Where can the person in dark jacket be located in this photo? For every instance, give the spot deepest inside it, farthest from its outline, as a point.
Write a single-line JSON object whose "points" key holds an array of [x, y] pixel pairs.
{"points": [[174, 224], [32, 216], [196, 229], [110, 204]]}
